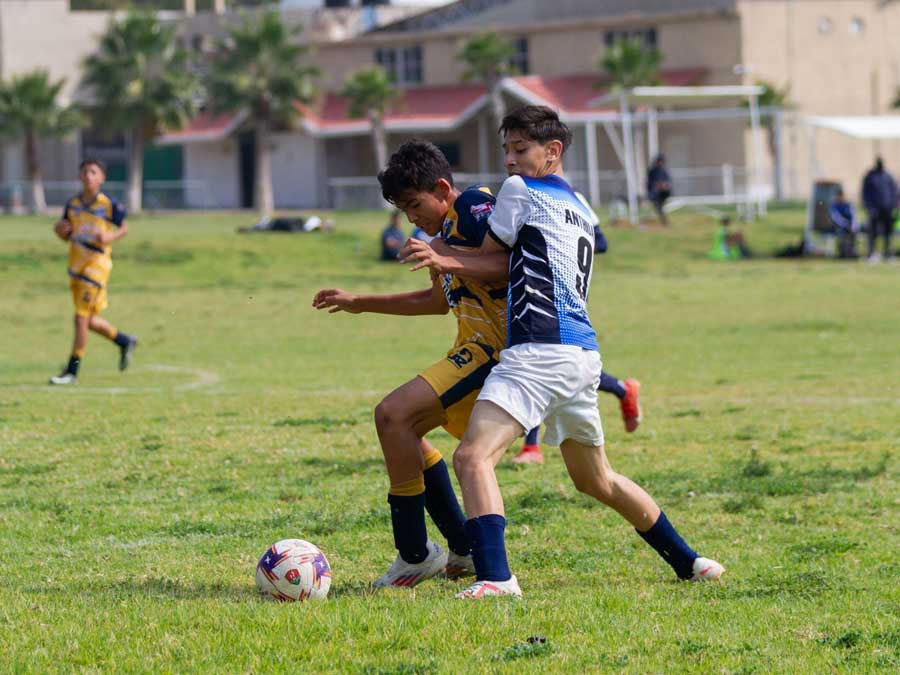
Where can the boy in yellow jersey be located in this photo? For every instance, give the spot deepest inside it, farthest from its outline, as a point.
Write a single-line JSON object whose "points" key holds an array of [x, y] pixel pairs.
{"points": [[91, 222], [417, 179]]}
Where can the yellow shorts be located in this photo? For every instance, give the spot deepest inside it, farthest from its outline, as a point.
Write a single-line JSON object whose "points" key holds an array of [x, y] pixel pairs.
{"points": [[457, 379], [89, 298]]}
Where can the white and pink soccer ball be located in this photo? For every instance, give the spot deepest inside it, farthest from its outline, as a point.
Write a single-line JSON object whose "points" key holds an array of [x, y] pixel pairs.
{"points": [[293, 570]]}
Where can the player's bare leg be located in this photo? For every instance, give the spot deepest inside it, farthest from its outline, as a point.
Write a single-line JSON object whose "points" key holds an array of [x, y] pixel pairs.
{"points": [[592, 474], [126, 343], [79, 342], [490, 432], [419, 480]]}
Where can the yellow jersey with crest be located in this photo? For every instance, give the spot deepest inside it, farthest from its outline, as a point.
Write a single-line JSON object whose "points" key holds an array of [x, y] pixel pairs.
{"points": [[479, 307], [90, 261]]}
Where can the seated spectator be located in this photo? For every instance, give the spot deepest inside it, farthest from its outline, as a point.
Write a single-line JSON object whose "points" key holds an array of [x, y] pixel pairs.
{"points": [[843, 217], [659, 187], [392, 238], [729, 244]]}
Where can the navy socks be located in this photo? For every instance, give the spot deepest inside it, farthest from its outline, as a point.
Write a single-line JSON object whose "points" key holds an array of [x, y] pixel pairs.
{"points": [[611, 385], [408, 521], [444, 509], [669, 544], [486, 534], [532, 437]]}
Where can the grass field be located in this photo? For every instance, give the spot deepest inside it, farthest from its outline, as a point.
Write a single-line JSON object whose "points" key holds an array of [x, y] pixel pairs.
{"points": [[134, 506]]}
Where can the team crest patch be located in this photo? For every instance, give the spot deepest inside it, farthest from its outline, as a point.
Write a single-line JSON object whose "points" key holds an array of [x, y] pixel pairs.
{"points": [[481, 211]]}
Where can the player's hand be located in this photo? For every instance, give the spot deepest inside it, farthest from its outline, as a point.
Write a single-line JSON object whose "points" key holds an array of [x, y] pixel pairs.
{"points": [[63, 229], [422, 255], [336, 300]]}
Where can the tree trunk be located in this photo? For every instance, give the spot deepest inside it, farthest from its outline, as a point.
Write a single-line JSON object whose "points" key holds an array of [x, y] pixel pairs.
{"points": [[379, 140], [136, 171], [263, 194], [33, 163]]}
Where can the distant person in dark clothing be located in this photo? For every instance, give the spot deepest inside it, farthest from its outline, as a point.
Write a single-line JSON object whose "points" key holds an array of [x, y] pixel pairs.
{"points": [[845, 226], [392, 238], [880, 199], [659, 187]]}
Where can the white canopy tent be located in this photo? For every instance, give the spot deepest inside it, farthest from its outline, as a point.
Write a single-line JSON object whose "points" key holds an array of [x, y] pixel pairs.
{"points": [[682, 97], [860, 127]]}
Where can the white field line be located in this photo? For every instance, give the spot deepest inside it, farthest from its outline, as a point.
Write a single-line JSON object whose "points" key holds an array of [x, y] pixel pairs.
{"points": [[202, 379]]}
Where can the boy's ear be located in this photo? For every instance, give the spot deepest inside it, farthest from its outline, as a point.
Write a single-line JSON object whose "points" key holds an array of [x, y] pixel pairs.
{"points": [[442, 188], [554, 150]]}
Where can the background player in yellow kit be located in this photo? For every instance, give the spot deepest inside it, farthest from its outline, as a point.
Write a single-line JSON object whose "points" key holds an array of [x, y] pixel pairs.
{"points": [[91, 222]]}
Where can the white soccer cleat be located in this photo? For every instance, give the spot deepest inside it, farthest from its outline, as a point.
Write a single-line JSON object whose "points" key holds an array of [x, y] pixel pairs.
{"points": [[406, 575], [64, 378], [707, 570], [486, 589], [459, 566]]}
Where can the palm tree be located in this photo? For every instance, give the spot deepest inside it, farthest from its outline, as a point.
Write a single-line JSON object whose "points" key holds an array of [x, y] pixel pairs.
{"points": [[141, 85], [369, 93], [772, 97], [630, 63], [486, 57], [260, 70], [29, 110]]}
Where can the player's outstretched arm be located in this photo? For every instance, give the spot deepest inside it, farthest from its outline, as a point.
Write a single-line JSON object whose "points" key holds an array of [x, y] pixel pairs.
{"points": [[413, 303], [443, 259]]}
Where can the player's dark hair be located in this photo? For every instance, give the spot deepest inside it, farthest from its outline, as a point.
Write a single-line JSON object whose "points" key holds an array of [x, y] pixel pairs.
{"points": [[87, 161], [537, 123], [415, 166]]}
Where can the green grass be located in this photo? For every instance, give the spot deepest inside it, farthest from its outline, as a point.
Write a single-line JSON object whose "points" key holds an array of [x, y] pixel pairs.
{"points": [[134, 506]]}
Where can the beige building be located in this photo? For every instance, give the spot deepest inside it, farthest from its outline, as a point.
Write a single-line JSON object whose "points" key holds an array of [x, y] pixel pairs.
{"points": [[837, 57]]}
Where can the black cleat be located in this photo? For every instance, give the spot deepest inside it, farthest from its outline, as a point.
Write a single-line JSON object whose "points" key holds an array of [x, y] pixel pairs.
{"points": [[126, 352]]}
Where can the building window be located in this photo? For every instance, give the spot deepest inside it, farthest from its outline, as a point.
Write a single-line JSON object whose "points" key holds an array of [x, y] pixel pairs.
{"points": [[403, 65], [824, 25], [519, 60], [645, 35], [857, 26]]}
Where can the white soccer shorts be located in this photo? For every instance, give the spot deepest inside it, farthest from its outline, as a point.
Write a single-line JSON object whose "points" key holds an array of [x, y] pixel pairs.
{"points": [[553, 384]]}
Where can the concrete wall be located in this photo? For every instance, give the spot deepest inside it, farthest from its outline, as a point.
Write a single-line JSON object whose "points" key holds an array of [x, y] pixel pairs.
{"points": [[840, 57], [216, 164], [295, 175]]}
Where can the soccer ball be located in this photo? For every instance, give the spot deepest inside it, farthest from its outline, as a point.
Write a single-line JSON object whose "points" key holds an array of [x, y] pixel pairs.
{"points": [[293, 569]]}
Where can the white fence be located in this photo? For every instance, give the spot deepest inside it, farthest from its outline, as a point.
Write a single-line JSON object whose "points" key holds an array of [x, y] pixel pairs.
{"points": [[725, 184], [15, 196]]}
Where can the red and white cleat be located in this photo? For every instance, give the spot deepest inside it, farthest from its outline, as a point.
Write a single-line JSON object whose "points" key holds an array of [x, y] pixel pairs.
{"points": [[529, 454], [406, 575], [630, 406], [486, 589], [707, 570]]}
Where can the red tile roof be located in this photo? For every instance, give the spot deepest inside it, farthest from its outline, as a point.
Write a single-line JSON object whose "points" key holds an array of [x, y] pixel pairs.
{"points": [[572, 93], [432, 108]]}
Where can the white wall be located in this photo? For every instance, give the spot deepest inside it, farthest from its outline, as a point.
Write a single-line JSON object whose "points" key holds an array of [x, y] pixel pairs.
{"points": [[295, 172], [216, 165]]}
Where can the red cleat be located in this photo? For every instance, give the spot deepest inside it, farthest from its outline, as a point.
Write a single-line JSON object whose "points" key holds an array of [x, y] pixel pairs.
{"points": [[631, 407], [529, 454]]}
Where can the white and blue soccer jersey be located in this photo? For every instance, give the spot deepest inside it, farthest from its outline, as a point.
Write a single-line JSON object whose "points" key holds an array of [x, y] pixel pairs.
{"points": [[550, 233]]}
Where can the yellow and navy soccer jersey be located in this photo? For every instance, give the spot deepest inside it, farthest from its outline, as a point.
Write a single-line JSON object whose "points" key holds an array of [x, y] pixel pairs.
{"points": [[88, 260], [479, 307]]}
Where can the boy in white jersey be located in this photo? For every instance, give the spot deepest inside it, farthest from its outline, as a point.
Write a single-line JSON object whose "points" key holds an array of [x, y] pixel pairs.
{"points": [[551, 367]]}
